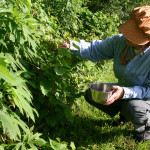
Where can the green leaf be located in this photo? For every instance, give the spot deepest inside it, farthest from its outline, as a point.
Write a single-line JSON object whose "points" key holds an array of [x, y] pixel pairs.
{"points": [[72, 146], [12, 37], [33, 147], [27, 3], [23, 147], [19, 37], [2, 10], [39, 142], [59, 70], [4, 73], [58, 146], [18, 146], [32, 43], [11, 122], [4, 44], [8, 57], [64, 52], [46, 87], [68, 114], [26, 31], [1, 148], [31, 137], [34, 140], [22, 103], [21, 124]]}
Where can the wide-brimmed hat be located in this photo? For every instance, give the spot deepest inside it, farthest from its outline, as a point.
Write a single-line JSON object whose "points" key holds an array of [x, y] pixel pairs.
{"points": [[137, 28]]}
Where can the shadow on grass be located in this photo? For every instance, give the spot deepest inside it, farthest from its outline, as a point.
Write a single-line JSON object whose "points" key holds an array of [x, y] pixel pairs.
{"points": [[87, 131]]}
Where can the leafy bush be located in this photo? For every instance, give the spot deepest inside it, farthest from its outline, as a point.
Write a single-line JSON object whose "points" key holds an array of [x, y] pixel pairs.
{"points": [[14, 91], [66, 12], [20, 35], [120, 7], [96, 25], [39, 81], [33, 74]]}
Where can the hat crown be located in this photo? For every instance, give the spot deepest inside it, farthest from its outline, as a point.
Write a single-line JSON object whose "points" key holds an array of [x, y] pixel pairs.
{"points": [[141, 16]]}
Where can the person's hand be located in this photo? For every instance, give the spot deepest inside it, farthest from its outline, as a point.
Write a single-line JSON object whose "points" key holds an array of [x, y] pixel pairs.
{"points": [[65, 45], [117, 94]]}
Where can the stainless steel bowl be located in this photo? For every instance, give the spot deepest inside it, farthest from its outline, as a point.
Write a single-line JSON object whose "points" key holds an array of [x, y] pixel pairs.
{"points": [[100, 92]]}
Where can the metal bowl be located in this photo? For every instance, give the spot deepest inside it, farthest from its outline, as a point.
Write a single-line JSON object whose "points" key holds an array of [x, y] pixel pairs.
{"points": [[99, 92]]}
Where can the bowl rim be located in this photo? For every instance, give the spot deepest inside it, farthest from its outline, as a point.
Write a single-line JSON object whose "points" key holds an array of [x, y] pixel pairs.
{"points": [[99, 90]]}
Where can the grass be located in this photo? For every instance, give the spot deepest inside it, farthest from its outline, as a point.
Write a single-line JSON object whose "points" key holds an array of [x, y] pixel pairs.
{"points": [[92, 129]]}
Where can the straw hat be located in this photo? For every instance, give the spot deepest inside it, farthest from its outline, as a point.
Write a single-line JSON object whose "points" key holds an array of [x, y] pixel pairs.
{"points": [[137, 28]]}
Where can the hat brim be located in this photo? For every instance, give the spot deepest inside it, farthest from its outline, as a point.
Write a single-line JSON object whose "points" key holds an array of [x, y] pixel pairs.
{"points": [[131, 31]]}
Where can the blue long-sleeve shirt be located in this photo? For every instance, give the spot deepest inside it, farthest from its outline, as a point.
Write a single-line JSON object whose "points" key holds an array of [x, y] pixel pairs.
{"points": [[134, 76]]}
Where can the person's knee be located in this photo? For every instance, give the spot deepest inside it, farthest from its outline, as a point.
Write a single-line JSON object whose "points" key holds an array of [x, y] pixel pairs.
{"points": [[135, 112]]}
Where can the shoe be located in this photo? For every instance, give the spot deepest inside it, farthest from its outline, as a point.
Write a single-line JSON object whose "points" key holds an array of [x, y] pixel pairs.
{"points": [[119, 122], [143, 136]]}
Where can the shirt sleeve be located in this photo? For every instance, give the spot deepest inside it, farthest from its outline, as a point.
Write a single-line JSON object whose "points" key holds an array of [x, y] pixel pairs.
{"points": [[137, 92], [96, 50]]}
